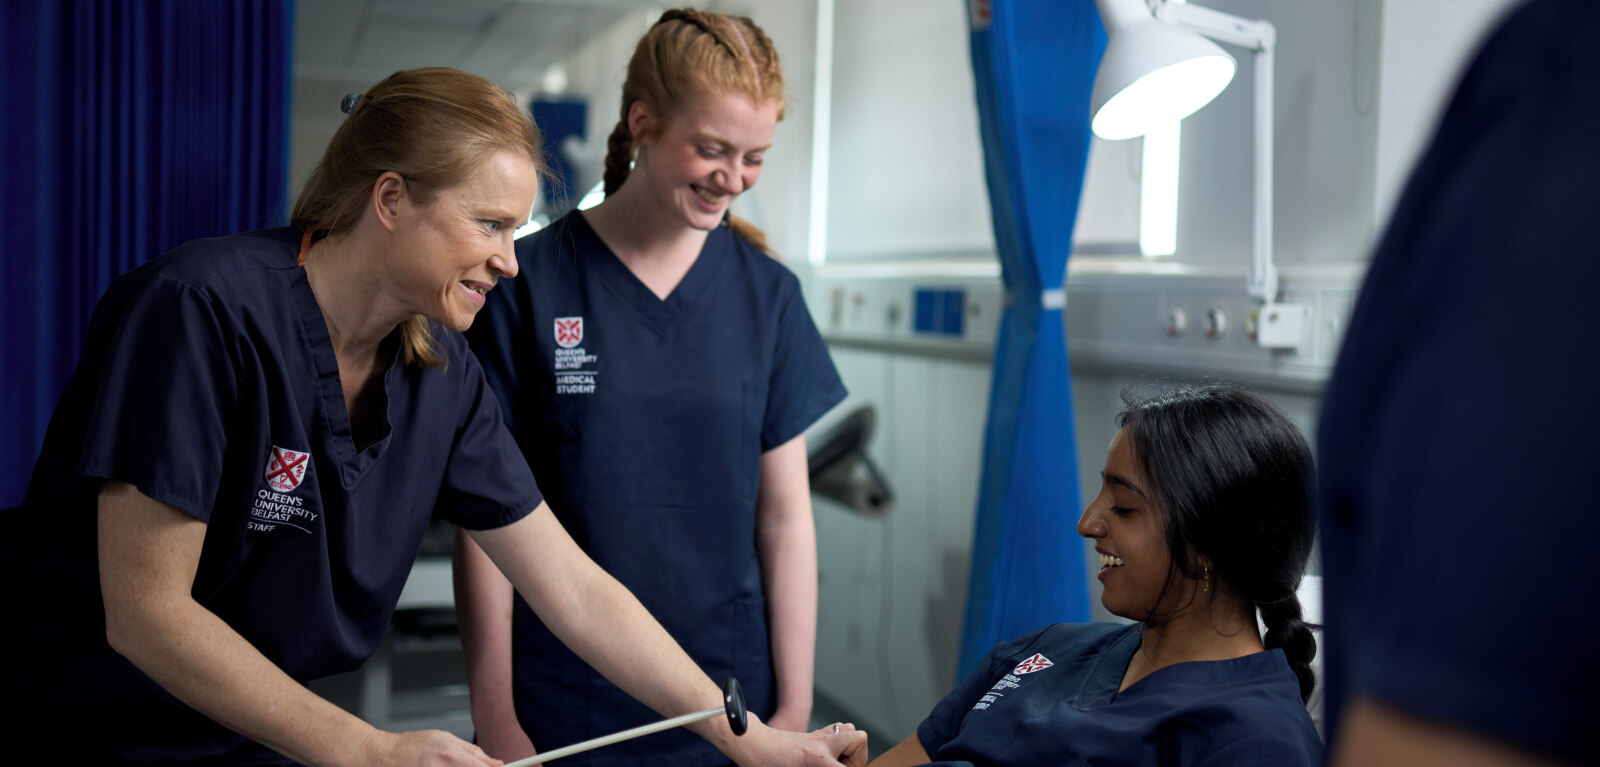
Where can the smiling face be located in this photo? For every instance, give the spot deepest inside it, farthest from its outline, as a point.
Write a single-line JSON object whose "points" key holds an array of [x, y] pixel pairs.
{"points": [[708, 153], [1127, 525], [457, 244]]}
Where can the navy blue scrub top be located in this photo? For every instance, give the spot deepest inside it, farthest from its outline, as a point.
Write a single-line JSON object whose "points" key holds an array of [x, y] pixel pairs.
{"points": [[1051, 697], [1459, 426], [644, 421], [208, 381]]}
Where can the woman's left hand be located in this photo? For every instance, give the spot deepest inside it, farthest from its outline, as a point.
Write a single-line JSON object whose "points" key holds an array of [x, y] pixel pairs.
{"points": [[850, 744], [763, 746]]}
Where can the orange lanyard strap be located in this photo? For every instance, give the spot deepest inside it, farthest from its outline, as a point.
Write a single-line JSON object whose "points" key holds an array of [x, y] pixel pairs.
{"points": [[305, 247]]}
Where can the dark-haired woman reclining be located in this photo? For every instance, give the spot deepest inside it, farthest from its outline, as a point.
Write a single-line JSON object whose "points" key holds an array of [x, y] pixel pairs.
{"points": [[1202, 521]]}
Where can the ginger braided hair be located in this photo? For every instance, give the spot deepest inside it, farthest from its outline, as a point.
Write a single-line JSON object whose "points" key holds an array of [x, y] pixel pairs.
{"points": [[689, 53]]}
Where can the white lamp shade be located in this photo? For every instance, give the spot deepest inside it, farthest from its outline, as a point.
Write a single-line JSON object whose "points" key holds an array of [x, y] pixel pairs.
{"points": [[1153, 74]]}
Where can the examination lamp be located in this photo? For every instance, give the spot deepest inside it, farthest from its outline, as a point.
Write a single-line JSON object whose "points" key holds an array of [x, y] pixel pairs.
{"points": [[1158, 67], [1152, 73]]}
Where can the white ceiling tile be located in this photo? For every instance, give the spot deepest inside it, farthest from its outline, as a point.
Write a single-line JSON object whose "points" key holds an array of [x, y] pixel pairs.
{"points": [[323, 31], [345, 46], [400, 45]]}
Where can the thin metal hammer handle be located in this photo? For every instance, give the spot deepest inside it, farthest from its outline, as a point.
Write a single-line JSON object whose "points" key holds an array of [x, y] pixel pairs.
{"points": [[617, 737]]}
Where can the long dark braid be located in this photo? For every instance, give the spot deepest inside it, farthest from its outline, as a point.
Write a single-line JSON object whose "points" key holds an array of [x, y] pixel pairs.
{"points": [[1287, 630]]}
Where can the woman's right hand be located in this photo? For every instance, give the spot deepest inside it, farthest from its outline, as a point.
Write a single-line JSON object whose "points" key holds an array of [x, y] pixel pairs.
{"points": [[422, 748]]}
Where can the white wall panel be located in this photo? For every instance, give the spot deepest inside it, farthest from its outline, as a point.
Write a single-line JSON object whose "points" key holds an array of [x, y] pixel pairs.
{"points": [[1108, 213], [906, 171], [850, 557], [1325, 145], [1426, 44], [893, 588]]}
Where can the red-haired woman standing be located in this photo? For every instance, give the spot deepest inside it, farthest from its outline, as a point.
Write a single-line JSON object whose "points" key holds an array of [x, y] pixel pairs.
{"points": [[658, 368]]}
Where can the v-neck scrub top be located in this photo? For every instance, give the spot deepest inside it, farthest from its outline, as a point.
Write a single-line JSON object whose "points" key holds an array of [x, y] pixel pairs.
{"points": [[1051, 698], [208, 380], [644, 421]]}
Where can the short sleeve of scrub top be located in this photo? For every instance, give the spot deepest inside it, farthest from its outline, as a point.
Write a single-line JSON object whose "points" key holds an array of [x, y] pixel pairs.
{"points": [[485, 461], [1052, 697], [1456, 445], [804, 384], [166, 395]]}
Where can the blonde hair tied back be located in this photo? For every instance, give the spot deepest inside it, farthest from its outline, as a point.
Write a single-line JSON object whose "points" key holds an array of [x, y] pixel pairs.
{"points": [[435, 127]]}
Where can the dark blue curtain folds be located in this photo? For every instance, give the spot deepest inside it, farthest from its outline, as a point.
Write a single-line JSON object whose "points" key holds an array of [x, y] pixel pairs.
{"points": [[128, 128], [1034, 63]]}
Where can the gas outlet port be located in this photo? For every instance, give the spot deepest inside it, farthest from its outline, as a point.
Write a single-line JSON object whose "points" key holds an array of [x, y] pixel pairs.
{"points": [[1176, 322], [1215, 323]]}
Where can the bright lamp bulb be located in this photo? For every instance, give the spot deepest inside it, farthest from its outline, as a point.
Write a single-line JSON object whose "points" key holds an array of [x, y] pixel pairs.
{"points": [[1166, 95], [1154, 74]]}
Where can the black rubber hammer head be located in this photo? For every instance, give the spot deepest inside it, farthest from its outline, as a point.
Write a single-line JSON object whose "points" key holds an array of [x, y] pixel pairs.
{"points": [[733, 705]]}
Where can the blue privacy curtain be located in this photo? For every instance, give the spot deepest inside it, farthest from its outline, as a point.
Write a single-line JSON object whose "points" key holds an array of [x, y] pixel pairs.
{"points": [[1034, 63], [128, 128]]}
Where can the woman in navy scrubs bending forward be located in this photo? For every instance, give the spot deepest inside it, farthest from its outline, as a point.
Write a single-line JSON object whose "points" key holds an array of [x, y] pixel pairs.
{"points": [[1203, 520], [658, 368], [237, 479]]}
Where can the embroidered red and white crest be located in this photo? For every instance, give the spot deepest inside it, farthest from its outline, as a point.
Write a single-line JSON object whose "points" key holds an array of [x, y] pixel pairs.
{"points": [[286, 468], [569, 331], [1036, 663]]}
